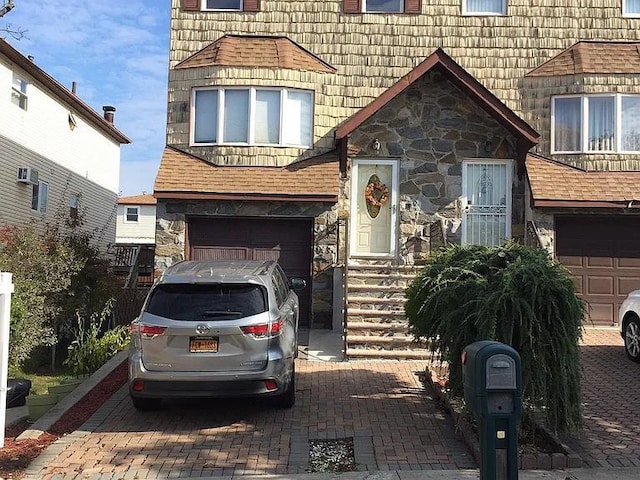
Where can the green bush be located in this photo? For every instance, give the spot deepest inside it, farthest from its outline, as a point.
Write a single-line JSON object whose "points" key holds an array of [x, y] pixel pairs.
{"points": [[513, 294], [92, 348]]}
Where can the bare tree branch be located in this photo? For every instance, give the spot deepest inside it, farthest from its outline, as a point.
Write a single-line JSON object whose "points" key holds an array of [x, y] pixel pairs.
{"points": [[16, 33]]}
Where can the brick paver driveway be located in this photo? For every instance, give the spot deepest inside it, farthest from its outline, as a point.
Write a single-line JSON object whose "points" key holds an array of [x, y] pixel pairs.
{"points": [[394, 424], [611, 397]]}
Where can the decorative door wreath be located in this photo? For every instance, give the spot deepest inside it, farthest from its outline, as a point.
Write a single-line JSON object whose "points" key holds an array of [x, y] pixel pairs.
{"points": [[376, 193]]}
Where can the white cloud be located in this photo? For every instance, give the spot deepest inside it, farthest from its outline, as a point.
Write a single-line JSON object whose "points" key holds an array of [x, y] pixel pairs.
{"points": [[117, 53]]}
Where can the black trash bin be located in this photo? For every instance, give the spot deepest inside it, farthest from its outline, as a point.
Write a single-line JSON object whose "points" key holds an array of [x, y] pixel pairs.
{"points": [[17, 391]]}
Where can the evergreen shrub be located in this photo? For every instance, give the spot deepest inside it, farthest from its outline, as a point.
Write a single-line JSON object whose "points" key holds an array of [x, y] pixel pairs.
{"points": [[513, 294]]}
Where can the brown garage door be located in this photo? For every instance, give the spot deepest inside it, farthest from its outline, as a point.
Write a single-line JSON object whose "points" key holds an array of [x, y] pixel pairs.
{"points": [[603, 254], [288, 241]]}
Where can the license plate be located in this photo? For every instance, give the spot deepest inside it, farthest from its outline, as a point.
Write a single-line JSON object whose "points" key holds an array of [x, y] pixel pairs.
{"points": [[203, 344]]}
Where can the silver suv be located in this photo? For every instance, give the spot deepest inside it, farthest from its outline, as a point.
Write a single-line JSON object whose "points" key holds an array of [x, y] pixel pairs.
{"points": [[216, 329]]}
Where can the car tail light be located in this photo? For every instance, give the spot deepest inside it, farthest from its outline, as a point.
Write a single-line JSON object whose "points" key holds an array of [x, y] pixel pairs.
{"points": [[151, 330], [138, 386], [270, 385], [261, 331]]}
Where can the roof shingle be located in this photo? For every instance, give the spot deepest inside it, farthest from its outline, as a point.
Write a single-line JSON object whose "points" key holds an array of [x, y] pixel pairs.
{"points": [[256, 51], [144, 199], [592, 57], [552, 181], [184, 175]]}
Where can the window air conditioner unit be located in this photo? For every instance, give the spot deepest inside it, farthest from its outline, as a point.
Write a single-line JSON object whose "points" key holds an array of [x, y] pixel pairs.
{"points": [[27, 175]]}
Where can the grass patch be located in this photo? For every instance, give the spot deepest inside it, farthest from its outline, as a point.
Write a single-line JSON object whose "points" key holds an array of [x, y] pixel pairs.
{"points": [[41, 381]]}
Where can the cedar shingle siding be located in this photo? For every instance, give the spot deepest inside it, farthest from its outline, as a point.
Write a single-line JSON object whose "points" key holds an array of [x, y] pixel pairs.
{"points": [[370, 52]]}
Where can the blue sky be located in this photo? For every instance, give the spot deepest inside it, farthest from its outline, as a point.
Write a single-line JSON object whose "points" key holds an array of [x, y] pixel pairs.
{"points": [[117, 52]]}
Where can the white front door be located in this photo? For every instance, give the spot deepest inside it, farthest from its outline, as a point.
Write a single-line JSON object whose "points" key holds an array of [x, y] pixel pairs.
{"points": [[373, 208], [486, 190]]}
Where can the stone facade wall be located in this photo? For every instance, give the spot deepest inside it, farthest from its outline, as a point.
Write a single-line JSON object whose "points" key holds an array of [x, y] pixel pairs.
{"points": [[172, 217], [431, 128]]}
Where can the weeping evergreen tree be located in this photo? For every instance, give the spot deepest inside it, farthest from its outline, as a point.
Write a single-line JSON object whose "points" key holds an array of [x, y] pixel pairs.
{"points": [[512, 294]]}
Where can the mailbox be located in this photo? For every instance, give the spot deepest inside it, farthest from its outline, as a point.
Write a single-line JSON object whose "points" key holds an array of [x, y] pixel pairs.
{"points": [[492, 379]]}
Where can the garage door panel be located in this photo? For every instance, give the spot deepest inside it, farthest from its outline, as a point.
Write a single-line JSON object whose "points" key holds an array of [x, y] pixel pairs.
{"points": [[599, 262], [601, 313], [628, 284], [633, 263], [571, 261], [603, 255], [600, 286]]}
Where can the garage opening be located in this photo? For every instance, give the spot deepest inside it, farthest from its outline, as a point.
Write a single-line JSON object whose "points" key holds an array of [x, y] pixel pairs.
{"points": [[603, 255], [289, 241]]}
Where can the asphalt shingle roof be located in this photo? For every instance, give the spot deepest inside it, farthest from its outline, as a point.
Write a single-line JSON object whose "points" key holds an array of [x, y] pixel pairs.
{"points": [[182, 173], [256, 51], [592, 57], [554, 181]]}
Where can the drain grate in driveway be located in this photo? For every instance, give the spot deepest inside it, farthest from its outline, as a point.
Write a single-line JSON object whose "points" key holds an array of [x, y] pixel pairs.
{"points": [[332, 455]]}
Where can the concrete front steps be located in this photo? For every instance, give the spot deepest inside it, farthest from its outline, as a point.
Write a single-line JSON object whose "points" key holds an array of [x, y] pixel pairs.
{"points": [[375, 323]]}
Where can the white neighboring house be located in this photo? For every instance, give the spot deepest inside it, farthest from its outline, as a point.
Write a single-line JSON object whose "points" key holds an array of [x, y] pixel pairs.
{"points": [[136, 220], [57, 154], [135, 239]]}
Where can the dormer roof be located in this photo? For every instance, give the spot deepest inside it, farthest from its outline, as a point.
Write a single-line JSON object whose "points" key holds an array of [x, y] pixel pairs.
{"points": [[596, 57], [256, 51]]}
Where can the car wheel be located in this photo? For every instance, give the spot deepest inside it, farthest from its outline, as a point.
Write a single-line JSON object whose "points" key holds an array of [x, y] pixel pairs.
{"points": [[288, 398], [632, 339], [145, 404]]}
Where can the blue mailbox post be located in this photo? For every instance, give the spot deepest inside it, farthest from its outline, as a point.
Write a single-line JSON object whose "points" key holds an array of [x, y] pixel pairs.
{"points": [[492, 379]]}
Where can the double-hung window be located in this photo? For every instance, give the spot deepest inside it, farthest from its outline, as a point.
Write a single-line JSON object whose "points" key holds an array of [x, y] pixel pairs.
{"points": [[40, 197], [484, 7], [19, 91], [631, 8], [132, 214], [252, 116], [608, 123], [221, 4]]}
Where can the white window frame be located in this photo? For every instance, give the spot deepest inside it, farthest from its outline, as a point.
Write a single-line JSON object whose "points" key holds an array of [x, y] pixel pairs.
{"points": [[364, 8], [250, 117], [626, 13], [508, 196], [43, 200], [20, 93], [126, 214], [502, 13], [584, 123], [203, 7]]}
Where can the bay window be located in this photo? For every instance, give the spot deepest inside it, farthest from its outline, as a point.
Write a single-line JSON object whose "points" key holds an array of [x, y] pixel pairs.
{"points": [[252, 116], [607, 123]]}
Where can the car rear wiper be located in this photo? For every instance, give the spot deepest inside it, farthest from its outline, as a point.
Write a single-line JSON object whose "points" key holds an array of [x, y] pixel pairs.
{"points": [[220, 313]]}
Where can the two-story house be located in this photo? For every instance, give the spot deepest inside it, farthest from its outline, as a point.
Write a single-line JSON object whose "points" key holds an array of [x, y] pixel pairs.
{"points": [[58, 156], [349, 138]]}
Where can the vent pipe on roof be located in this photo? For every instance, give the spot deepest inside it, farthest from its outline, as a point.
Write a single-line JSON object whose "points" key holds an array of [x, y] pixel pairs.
{"points": [[73, 87], [109, 113], [31, 58]]}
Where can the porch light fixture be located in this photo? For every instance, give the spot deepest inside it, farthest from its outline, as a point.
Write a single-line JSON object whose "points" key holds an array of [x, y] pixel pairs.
{"points": [[377, 146]]}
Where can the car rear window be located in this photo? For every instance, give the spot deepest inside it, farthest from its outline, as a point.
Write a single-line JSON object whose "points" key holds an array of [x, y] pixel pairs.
{"points": [[207, 302]]}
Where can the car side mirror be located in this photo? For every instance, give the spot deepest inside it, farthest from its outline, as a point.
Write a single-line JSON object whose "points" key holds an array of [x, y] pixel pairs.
{"points": [[297, 284]]}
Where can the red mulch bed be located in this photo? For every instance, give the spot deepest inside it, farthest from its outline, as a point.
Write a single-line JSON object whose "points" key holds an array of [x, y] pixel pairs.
{"points": [[18, 454]]}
